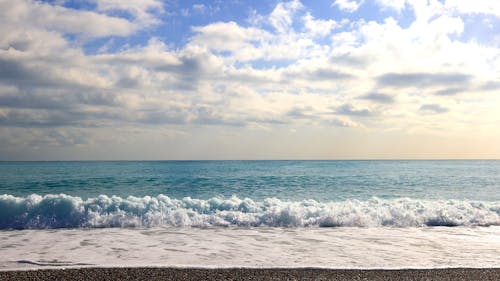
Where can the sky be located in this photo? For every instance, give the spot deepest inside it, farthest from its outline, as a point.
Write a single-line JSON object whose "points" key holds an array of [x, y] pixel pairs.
{"points": [[336, 79]]}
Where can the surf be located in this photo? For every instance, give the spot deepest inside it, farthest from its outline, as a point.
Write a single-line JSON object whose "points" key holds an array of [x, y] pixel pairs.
{"points": [[64, 211]]}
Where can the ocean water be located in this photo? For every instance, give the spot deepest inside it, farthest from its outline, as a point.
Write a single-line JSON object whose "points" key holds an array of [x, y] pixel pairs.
{"points": [[249, 193], [250, 213]]}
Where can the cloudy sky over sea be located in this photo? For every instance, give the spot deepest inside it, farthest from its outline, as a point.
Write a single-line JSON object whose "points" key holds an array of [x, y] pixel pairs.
{"points": [[150, 79]]}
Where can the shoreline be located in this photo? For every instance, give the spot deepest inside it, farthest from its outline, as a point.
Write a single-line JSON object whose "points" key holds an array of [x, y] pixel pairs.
{"points": [[229, 267], [237, 273]]}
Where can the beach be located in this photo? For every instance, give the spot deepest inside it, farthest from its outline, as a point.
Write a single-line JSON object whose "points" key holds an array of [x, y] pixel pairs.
{"points": [[250, 274]]}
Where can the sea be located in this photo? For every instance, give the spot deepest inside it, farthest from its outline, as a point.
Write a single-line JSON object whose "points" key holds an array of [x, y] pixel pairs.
{"points": [[328, 214]]}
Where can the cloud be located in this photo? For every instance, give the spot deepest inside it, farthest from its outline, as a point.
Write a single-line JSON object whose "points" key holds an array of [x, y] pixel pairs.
{"points": [[342, 122], [228, 36], [323, 74], [349, 110], [490, 86], [329, 74], [23, 100], [467, 7], [433, 108], [37, 118], [144, 12], [58, 138], [379, 98], [163, 115], [349, 60], [38, 15], [300, 112], [32, 73], [348, 5], [318, 27], [407, 80], [41, 138], [281, 17], [450, 91]]}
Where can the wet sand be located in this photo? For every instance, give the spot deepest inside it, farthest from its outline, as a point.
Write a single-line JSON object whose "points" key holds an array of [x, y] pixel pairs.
{"points": [[250, 274]]}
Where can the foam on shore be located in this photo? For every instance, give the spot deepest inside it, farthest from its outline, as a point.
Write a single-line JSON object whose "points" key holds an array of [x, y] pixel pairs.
{"points": [[342, 247]]}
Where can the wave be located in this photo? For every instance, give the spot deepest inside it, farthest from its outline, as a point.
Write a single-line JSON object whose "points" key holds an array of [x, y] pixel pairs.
{"points": [[64, 211]]}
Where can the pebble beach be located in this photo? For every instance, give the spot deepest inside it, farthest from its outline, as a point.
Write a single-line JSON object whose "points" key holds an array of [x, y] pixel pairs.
{"points": [[250, 274]]}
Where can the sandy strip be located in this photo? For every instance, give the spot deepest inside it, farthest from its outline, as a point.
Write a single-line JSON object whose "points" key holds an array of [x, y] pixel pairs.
{"points": [[249, 274]]}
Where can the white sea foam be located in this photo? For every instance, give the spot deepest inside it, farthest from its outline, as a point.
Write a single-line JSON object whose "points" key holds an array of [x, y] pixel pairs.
{"points": [[342, 247], [64, 211]]}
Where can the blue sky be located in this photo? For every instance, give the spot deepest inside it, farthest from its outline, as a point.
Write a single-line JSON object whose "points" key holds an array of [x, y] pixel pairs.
{"points": [[152, 79], [176, 19]]}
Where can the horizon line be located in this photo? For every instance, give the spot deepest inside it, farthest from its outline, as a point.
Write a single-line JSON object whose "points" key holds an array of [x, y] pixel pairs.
{"points": [[214, 160]]}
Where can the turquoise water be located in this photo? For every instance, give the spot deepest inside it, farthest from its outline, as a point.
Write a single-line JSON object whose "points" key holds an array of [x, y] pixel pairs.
{"points": [[249, 193], [288, 180]]}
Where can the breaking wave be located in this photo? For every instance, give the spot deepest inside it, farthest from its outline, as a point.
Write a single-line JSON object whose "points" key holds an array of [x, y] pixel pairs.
{"points": [[64, 211]]}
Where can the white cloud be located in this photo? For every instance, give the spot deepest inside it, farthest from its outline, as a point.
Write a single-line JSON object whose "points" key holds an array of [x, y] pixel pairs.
{"points": [[36, 15], [318, 27], [143, 11], [227, 36], [348, 5], [475, 7], [281, 17]]}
